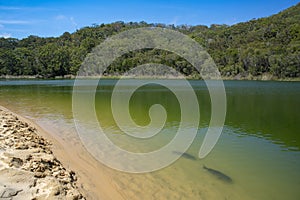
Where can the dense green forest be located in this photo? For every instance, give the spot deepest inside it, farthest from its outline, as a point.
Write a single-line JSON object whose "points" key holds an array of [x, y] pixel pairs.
{"points": [[267, 46]]}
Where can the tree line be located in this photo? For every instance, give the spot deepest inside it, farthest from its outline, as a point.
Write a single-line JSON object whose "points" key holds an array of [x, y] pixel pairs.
{"points": [[250, 49]]}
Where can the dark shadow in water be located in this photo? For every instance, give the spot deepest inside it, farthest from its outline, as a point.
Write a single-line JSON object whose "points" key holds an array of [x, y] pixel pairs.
{"points": [[219, 174], [185, 155]]}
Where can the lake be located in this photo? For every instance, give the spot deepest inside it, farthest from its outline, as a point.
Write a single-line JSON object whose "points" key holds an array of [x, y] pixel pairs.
{"points": [[259, 148]]}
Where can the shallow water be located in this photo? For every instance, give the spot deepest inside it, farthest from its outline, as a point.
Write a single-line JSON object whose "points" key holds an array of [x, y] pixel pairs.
{"points": [[259, 148]]}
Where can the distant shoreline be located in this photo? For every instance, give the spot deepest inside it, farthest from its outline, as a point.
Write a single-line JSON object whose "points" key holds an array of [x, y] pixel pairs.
{"points": [[72, 77]]}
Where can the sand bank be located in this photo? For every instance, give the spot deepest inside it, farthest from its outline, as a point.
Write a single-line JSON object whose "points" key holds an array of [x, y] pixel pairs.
{"points": [[28, 167], [91, 180]]}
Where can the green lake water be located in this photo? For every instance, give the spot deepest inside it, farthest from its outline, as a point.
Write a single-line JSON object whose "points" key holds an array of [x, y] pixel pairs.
{"points": [[259, 148]]}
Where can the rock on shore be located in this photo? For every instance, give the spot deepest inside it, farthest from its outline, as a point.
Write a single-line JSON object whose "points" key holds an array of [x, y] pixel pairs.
{"points": [[28, 168]]}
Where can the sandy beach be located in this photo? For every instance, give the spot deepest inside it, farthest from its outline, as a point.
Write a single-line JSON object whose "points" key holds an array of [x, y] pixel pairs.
{"points": [[38, 164], [28, 167]]}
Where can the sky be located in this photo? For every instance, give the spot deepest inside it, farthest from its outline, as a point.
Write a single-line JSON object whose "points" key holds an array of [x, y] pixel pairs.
{"points": [[51, 18]]}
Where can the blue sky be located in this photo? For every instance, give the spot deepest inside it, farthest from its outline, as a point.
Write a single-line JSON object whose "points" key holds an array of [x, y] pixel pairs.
{"points": [[47, 18]]}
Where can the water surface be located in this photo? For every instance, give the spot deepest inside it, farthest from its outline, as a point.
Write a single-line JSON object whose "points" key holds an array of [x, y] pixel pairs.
{"points": [[259, 148]]}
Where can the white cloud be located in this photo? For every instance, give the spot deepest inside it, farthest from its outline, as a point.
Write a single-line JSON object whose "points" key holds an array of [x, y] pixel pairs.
{"points": [[5, 35], [14, 22], [9, 8], [60, 17], [73, 22], [66, 20], [12, 8]]}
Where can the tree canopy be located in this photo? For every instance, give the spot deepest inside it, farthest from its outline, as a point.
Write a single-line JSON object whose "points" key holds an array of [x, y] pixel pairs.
{"points": [[250, 49]]}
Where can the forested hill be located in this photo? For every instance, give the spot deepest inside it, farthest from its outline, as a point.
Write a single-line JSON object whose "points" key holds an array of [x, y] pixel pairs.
{"points": [[260, 47]]}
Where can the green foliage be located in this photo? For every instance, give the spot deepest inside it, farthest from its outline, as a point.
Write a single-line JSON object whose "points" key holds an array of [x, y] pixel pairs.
{"points": [[254, 48]]}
